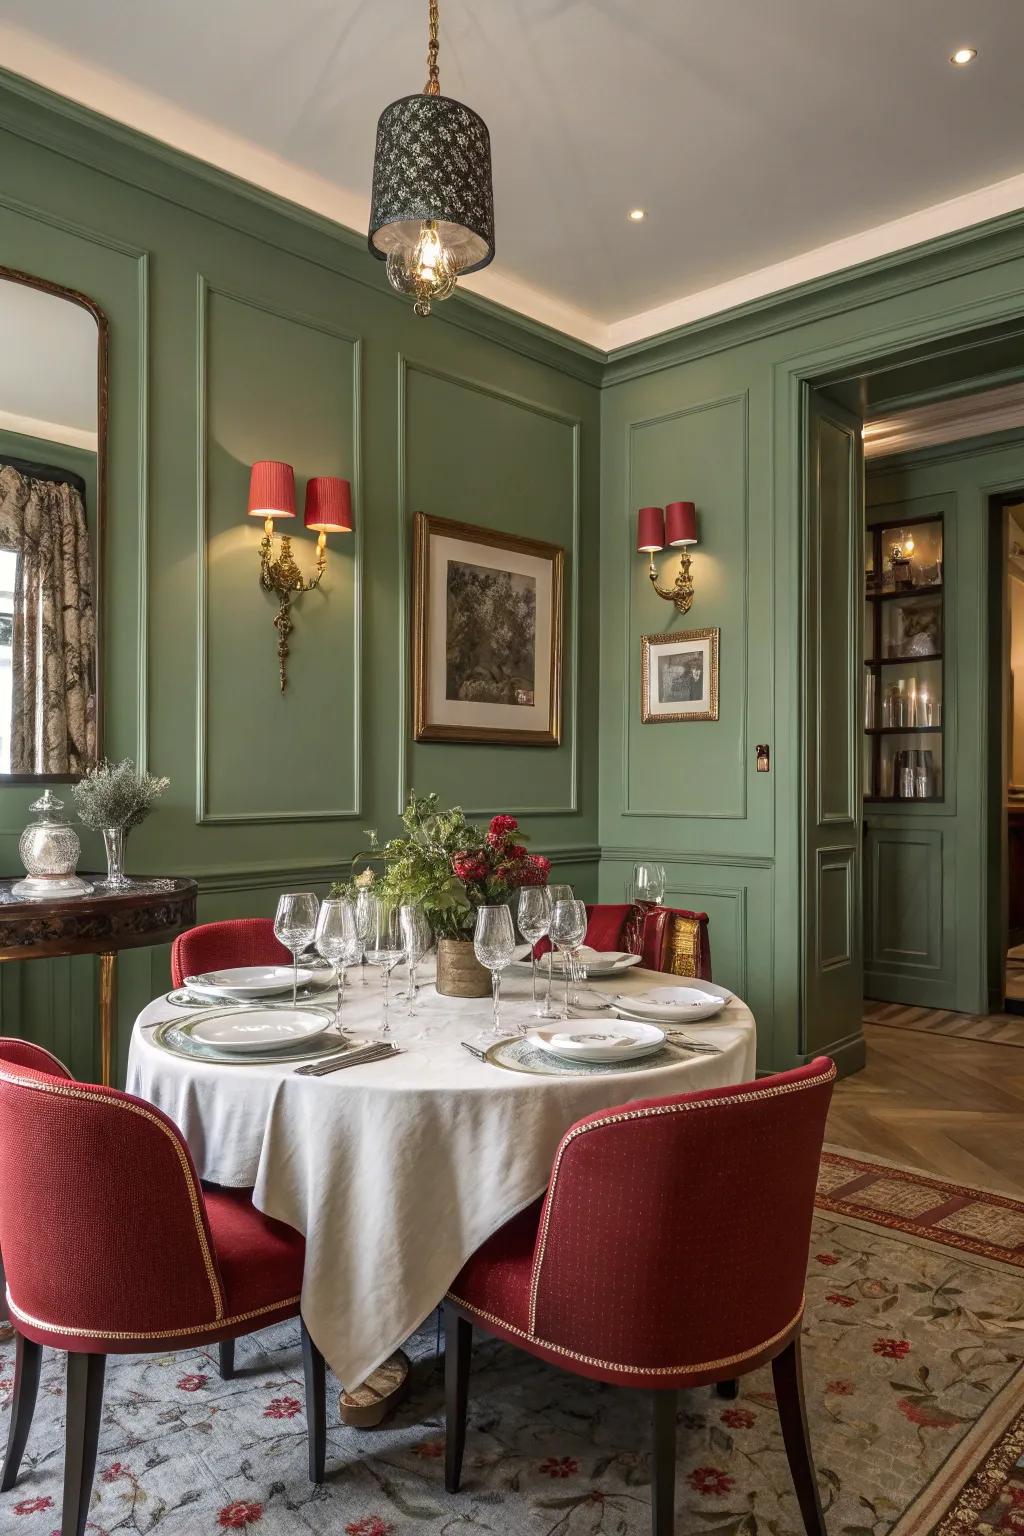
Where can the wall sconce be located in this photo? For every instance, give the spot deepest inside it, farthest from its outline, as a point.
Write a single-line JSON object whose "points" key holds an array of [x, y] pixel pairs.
{"points": [[676, 526], [328, 509]]}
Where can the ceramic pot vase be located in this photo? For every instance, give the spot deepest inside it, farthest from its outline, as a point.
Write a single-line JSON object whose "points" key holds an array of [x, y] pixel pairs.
{"points": [[459, 972]]}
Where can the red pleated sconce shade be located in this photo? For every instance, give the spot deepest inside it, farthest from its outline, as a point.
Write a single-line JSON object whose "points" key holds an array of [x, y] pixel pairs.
{"points": [[650, 529], [271, 489], [681, 522], [328, 504]]}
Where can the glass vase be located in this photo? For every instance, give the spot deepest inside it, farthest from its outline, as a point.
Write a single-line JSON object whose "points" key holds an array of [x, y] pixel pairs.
{"points": [[113, 843]]}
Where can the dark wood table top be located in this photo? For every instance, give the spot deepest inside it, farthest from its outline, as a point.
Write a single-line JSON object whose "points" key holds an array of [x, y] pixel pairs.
{"points": [[151, 911]]}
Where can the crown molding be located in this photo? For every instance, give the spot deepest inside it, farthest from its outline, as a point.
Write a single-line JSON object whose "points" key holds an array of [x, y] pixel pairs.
{"points": [[945, 421]]}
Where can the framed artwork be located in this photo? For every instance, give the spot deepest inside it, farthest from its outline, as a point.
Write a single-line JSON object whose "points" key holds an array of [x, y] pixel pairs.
{"points": [[680, 676], [487, 635]]}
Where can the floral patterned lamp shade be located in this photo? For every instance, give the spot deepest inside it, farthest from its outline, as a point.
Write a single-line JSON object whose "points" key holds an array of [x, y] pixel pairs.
{"points": [[432, 202]]}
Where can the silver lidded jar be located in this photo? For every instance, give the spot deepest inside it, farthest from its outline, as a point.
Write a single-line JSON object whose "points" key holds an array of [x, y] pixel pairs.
{"points": [[49, 849]]}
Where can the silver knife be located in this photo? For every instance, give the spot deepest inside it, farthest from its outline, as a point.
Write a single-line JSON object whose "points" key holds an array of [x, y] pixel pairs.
{"points": [[473, 1050], [350, 1059]]}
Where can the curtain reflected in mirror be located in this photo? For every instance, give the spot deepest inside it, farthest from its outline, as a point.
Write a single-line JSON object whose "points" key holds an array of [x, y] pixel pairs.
{"points": [[52, 420]]}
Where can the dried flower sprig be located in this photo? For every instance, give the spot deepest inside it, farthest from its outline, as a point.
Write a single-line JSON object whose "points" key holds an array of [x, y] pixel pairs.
{"points": [[116, 795]]}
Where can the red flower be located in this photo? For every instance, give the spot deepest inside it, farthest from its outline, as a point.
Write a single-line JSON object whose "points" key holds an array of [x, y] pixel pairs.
{"points": [[892, 1349], [192, 1383], [841, 1301], [500, 827], [429, 1450], [738, 1418], [827, 1258], [282, 1408], [32, 1506], [115, 1472], [369, 1525], [927, 1418], [534, 870], [840, 1388], [234, 1517], [470, 866], [710, 1480], [560, 1466], [515, 853]]}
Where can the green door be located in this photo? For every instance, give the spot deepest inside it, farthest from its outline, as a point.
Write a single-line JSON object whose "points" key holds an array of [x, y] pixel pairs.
{"points": [[831, 793]]}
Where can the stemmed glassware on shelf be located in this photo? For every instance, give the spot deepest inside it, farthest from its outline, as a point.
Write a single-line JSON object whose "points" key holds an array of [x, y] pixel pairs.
{"points": [[494, 944], [365, 905], [295, 927], [337, 942], [568, 930], [385, 948], [555, 894], [416, 940], [534, 916], [649, 883]]}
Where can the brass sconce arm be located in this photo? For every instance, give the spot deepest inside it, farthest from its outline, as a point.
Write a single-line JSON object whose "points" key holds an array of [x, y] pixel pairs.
{"points": [[681, 593], [283, 577]]}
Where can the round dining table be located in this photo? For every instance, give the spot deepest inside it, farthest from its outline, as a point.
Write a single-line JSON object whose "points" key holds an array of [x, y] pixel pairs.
{"points": [[396, 1171]]}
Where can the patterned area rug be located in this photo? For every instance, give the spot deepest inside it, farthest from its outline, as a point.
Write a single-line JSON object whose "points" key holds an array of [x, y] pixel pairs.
{"points": [[914, 1342], [998, 1028]]}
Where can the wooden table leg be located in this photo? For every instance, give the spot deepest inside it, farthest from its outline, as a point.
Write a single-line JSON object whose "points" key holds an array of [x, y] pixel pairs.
{"points": [[108, 1003]]}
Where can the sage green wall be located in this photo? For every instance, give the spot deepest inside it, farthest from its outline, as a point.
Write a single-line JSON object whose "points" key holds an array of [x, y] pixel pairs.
{"points": [[718, 413], [926, 903], [238, 331]]}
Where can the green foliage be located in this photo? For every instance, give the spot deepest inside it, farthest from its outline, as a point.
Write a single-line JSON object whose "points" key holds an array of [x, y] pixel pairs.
{"points": [[116, 795]]}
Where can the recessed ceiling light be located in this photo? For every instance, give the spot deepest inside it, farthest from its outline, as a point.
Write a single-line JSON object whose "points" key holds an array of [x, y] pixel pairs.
{"points": [[963, 56], [638, 215]]}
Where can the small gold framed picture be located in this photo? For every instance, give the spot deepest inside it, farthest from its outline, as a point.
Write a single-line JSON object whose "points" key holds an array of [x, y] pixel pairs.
{"points": [[680, 676]]}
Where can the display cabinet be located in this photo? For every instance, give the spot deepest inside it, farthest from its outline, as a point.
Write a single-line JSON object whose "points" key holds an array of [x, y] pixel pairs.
{"points": [[904, 626]]}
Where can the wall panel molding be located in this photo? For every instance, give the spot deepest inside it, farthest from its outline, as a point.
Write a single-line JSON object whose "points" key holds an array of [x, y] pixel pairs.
{"points": [[834, 868], [204, 816], [571, 603]]}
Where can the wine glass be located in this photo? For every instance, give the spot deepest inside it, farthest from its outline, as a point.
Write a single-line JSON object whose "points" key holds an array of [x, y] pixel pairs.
{"points": [[365, 904], [337, 942], [295, 925], [416, 940], [534, 916], [649, 883], [556, 893], [568, 927], [494, 944], [384, 948]]}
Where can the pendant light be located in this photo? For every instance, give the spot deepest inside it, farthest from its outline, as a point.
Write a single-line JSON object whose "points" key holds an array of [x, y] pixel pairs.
{"points": [[432, 203]]}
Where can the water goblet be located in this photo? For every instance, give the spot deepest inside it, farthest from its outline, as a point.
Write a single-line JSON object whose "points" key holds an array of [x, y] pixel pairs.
{"points": [[494, 944], [337, 942], [568, 928], [556, 893], [416, 939], [534, 917], [295, 926], [385, 948], [365, 907], [649, 883]]}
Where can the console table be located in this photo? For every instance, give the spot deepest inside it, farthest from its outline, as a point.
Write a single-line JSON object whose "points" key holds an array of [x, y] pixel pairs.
{"points": [[150, 911]]}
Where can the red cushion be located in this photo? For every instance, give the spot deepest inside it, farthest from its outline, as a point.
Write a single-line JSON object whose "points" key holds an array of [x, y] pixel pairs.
{"points": [[672, 1247], [22, 1053], [606, 927], [260, 1259], [221, 946]]}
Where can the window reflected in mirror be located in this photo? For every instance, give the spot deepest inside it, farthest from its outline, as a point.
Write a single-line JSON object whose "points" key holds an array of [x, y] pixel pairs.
{"points": [[52, 421]]}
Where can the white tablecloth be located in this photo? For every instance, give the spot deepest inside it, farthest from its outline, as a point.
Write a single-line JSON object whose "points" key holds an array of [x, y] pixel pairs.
{"points": [[396, 1172]]}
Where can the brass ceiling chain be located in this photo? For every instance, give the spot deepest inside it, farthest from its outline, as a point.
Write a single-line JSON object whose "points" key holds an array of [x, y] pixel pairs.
{"points": [[433, 85]]}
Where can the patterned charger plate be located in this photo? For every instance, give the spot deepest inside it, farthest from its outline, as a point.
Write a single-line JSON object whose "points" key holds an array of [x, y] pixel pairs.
{"points": [[518, 1055], [175, 1037], [181, 997]]}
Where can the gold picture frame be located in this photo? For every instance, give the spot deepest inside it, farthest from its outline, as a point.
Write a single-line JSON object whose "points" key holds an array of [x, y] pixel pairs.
{"points": [[679, 676], [466, 688]]}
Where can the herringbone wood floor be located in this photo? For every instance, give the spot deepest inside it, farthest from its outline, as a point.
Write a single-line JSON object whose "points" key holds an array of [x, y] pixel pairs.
{"points": [[953, 1107]]}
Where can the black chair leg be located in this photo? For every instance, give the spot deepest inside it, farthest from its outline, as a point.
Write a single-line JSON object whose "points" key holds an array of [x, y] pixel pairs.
{"points": [[458, 1351], [85, 1409], [315, 1372], [27, 1359], [728, 1389], [789, 1391], [663, 1464], [226, 1350]]}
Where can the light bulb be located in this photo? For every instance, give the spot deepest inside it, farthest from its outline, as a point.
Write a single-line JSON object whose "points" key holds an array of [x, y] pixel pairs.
{"points": [[428, 271]]}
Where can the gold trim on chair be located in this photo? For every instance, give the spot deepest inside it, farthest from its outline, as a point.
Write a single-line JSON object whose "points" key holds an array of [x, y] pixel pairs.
{"points": [[683, 946]]}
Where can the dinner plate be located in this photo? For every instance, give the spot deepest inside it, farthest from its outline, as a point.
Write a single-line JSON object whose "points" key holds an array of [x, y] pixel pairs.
{"points": [[259, 1029], [247, 981], [676, 1005], [596, 962], [598, 1040]]}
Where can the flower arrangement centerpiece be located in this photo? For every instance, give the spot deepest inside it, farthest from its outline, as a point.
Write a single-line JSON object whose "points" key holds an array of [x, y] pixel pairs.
{"points": [[112, 798], [450, 867]]}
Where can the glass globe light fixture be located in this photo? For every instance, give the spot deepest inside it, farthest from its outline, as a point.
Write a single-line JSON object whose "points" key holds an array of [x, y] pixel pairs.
{"points": [[432, 201]]}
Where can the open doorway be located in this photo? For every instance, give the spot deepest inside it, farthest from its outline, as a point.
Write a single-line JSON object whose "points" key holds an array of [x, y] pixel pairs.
{"points": [[1006, 741]]}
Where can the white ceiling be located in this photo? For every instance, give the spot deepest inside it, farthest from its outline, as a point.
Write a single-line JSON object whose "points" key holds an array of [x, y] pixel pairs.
{"points": [[47, 366], [770, 140]]}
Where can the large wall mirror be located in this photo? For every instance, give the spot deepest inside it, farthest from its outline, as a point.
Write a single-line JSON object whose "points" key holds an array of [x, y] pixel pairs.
{"points": [[53, 410]]}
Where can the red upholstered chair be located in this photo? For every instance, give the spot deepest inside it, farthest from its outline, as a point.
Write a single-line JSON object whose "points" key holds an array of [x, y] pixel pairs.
{"points": [[670, 939], [606, 926], [669, 1252], [112, 1247], [219, 946]]}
